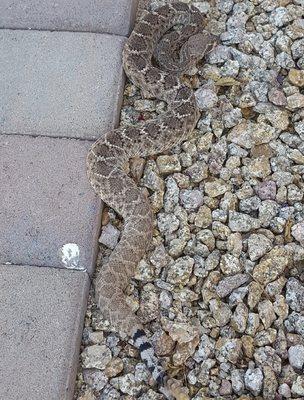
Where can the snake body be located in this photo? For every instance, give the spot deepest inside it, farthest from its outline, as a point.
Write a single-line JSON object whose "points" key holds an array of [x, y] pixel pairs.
{"points": [[150, 38]]}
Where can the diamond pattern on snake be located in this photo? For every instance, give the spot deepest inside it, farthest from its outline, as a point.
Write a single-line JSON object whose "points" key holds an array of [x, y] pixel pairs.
{"points": [[155, 57]]}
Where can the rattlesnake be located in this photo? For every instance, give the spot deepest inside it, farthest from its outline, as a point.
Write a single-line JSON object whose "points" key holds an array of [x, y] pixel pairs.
{"points": [[108, 156]]}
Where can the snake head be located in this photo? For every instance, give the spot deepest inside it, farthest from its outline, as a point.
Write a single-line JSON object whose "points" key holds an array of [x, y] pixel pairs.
{"points": [[201, 44]]}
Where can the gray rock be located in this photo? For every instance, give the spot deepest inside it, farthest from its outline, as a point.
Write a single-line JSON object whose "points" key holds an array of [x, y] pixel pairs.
{"points": [[284, 390], [296, 356], [109, 236], [297, 387], [258, 246], [167, 223], [206, 98], [191, 199], [180, 272], [127, 384], [168, 164], [266, 190], [95, 379], [228, 284], [297, 232], [295, 294], [96, 356], [237, 381], [254, 380], [239, 222]]}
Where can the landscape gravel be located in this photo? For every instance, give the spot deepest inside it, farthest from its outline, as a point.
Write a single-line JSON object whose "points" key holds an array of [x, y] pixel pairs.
{"points": [[221, 289]]}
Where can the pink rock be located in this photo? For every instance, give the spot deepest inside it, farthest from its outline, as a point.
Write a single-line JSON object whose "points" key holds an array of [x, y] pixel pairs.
{"points": [[266, 190]]}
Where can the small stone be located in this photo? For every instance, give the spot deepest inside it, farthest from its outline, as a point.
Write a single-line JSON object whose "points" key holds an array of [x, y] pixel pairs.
{"points": [[284, 60], [109, 236], [296, 77], [228, 350], [96, 356], [206, 98], [277, 97], [275, 288], [247, 134], [127, 384], [216, 188], [220, 311], [258, 246], [248, 345], [109, 392], [254, 380], [167, 223], [266, 190], [296, 156], [184, 350], [284, 390], [191, 199], [296, 356], [239, 318], [149, 303], [266, 313], [225, 388], [299, 128], [280, 306], [198, 171], [179, 273], [235, 244], [95, 379], [114, 367], [265, 337], [168, 164], [205, 349], [87, 395], [271, 266], [252, 324], [270, 383], [228, 284], [203, 217], [255, 291], [297, 232], [230, 264], [297, 387], [280, 17], [295, 101], [181, 332], [237, 381], [239, 222], [259, 167], [163, 344], [295, 294]]}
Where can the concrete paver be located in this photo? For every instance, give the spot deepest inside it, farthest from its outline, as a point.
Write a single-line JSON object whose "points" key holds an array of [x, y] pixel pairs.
{"points": [[46, 202], [59, 83], [41, 317], [111, 16], [59, 91]]}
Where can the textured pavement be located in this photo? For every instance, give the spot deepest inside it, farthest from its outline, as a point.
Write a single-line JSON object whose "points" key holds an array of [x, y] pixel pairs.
{"points": [[59, 92], [41, 318], [59, 83], [47, 203], [103, 16]]}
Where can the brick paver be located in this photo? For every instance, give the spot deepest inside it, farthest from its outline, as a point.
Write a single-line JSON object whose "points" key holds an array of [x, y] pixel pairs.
{"points": [[46, 201], [59, 92], [59, 83], [110, 16], [41, 318]]}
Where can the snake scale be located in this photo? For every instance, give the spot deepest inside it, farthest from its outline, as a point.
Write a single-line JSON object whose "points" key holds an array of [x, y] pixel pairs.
{"points": [[151, 63]]}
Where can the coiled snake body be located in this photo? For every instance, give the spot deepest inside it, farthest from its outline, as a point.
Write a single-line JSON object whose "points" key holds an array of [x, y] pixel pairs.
{"points": [[109, 154]]}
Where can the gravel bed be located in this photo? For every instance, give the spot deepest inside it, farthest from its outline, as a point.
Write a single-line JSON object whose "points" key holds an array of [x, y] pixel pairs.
{"points": [[221, 289]]}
